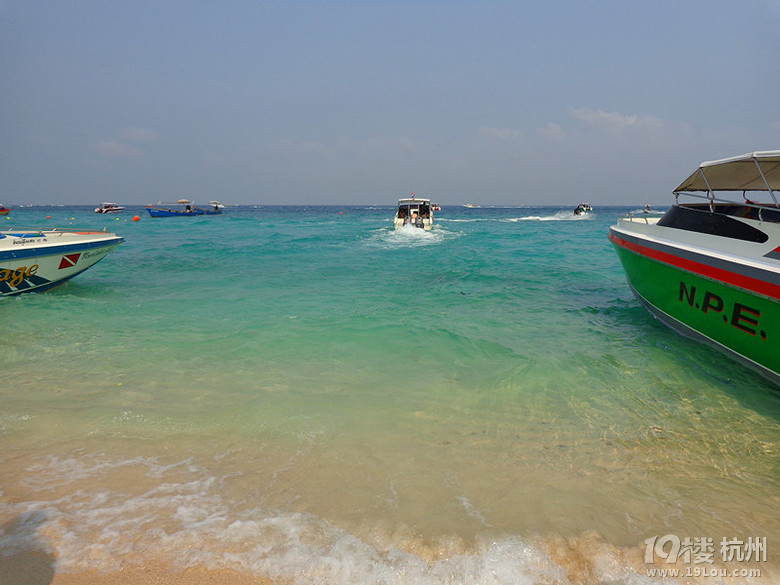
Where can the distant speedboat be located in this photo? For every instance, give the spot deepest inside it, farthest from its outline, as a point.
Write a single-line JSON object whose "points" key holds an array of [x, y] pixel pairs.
{"points": [[106, 207], [711, 269], [583, 208], [182, 208], [4, 210], [414, 212], [36, 260]]}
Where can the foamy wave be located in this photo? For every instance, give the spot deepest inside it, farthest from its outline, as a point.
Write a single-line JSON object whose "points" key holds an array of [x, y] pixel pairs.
{"points": [[190, 524]]}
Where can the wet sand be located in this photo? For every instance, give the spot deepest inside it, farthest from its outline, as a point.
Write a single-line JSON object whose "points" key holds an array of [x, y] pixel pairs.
{"points": [[37, 568]]}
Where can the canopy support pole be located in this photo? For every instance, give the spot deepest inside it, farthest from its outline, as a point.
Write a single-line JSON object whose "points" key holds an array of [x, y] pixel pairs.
{"points": [[763, 176], [710, 194]]}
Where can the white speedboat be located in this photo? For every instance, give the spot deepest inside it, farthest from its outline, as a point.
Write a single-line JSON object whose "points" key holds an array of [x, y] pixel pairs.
{"points": [[583, 208], [36, 260], [710, 267], [414, 212], [106, 207]]}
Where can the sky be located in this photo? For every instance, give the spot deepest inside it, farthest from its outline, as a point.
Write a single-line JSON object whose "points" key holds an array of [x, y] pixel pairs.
{"points": [[502, 102]]}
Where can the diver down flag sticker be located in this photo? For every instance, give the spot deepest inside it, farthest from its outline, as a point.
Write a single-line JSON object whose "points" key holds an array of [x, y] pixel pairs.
{"points": [[774, 254], [69, 260]]}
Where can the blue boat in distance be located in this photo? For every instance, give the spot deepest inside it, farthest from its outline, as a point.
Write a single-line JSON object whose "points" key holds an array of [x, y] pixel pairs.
{"points": [[183, 208]]}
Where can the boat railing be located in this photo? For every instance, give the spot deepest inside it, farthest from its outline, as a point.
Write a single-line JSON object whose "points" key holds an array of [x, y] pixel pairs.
{"points": [[48, 232], [748, 208], [642, 217]]}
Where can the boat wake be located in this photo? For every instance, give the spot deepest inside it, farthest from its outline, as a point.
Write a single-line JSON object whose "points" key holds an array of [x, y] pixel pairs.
{"points": [[558, 216], [408, 237]]}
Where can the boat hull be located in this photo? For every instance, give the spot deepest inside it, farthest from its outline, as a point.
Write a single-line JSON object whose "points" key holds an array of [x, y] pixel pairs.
{"points": [[704, 297], [37, 261], [155, 212]]}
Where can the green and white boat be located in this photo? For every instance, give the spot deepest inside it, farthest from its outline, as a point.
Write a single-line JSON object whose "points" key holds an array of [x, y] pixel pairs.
{"points": [[710, 267]]}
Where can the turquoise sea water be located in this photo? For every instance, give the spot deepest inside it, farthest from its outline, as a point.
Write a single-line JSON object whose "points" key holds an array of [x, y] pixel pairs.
{"points": [[306, 394]]}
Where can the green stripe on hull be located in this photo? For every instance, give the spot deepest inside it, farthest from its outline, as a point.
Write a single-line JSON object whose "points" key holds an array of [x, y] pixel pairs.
{"points": [[745, 323]]}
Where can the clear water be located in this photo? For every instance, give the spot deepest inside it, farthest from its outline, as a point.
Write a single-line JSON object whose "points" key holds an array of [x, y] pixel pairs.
{"points": [[306, 394]]}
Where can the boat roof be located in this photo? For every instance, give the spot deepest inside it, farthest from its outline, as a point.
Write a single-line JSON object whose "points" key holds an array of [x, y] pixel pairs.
{"points": [[413, 200], [753, 171]]}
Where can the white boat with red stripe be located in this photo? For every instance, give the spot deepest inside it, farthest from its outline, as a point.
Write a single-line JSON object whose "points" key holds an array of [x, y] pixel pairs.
{"points": [[33, 260]]}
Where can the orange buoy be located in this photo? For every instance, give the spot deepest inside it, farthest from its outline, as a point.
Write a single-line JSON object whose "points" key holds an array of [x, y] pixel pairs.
{"points": [[48, 217], [136, 218]]}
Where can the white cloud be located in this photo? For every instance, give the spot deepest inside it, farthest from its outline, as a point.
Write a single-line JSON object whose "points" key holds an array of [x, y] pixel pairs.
{"points": [[117, 149], [552, 131], [498, 133], [302, 147], [139, 135], [614, 121]]}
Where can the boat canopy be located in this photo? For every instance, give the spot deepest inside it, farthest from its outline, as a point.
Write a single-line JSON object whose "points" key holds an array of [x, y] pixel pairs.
{"points": [[754, 171]]}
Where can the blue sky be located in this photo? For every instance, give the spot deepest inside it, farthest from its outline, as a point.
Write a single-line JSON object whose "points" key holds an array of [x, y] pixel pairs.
{"points": [[342, 102]]}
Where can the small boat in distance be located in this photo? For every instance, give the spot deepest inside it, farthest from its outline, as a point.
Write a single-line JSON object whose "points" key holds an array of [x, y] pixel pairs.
{"points": [[414, 212], [36, 260], [106, 207], [709, 268], [4, 210], [182, 208], [215, 208], [583, 208]]}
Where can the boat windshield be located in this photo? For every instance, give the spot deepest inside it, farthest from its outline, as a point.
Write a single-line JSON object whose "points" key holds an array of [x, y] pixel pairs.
{"points": [[408, 209]]}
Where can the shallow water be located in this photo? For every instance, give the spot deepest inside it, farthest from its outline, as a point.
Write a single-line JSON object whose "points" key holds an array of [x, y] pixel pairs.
{"points": [[305, 393]]}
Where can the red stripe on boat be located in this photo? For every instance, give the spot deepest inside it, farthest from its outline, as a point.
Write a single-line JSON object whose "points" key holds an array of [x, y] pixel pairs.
{"points": [[725, 276]]}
